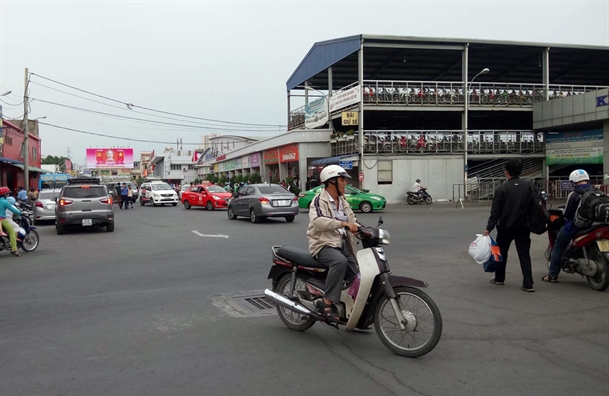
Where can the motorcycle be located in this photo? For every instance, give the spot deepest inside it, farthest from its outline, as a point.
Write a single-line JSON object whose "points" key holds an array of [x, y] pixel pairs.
{"points": [[414, 198], [406, 320], [27, 236], [586, 255]]}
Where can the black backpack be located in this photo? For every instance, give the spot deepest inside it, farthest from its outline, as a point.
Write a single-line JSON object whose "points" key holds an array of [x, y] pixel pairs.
{"points": [[538, 216], [593, 208]]}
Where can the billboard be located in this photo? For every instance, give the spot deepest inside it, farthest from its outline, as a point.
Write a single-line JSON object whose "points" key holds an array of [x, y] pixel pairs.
{"points": [[109, 158], [574, 148]]}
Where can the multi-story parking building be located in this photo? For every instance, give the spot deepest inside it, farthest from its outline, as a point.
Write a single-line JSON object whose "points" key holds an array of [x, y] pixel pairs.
{"points": [[447, 111]]}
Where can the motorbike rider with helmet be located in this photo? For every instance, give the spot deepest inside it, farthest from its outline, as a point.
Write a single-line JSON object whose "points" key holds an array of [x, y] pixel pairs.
{"points": [[581, 181], [10, 214], [418, 188], [329, 242], [6, 226]]}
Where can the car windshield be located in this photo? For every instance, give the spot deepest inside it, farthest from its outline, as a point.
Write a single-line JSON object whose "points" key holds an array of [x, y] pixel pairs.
{"points": [[272, 189], [158, 187], [215, 189], [85, 192], [48, 194]]}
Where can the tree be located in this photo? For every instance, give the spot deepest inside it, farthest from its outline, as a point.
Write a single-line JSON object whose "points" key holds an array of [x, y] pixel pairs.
{"points": [[53, 160]]}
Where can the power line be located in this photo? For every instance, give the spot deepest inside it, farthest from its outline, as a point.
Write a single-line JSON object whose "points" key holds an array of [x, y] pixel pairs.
{"points": [[114, 137], [151, 121], [11, 104], [131, 105]]}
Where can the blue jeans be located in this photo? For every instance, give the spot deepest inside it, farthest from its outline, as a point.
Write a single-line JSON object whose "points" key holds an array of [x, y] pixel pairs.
{"points": [[561, 243]]}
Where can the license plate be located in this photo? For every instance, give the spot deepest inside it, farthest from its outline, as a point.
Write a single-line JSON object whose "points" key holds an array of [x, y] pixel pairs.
{"points": [[603, 245], [283, 202], [49, 206], [87, 222]]}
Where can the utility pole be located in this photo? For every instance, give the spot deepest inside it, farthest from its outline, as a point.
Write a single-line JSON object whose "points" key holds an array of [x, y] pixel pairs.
{"points": [[26, 136]]}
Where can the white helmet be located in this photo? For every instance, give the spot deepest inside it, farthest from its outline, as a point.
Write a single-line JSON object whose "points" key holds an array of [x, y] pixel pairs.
{"points": [[578, 175], [332, 171]]}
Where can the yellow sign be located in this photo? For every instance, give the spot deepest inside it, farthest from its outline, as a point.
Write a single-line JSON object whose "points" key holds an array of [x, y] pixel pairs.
{"points": [[215, 168], [350, 117]]}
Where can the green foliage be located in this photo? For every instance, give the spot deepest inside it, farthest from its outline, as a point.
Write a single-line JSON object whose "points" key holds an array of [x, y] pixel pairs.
{"points": [[222, 179], [238, 179], [210, 177], [254, 178], [139, 180], [53, 160], [214, 179]]}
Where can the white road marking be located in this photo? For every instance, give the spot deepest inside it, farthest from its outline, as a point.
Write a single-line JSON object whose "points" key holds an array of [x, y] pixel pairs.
{"points": [[209, 236]]}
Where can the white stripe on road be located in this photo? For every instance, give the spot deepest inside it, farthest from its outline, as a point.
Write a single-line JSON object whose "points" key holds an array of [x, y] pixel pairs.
{"points": [[209, 236]]}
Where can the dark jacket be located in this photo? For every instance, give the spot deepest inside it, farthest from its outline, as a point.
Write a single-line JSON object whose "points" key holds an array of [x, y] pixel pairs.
{"points": [[573, 199], [510, 205]]}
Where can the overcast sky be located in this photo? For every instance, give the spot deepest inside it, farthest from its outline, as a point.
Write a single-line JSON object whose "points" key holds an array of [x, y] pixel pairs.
{"points": [[223, 60]]}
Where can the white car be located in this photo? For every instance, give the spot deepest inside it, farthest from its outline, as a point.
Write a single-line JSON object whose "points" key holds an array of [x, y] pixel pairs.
{"points": [[158, 193], [184, 188]]}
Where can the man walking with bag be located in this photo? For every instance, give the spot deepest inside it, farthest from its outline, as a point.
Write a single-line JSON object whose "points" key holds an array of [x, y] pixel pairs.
{"points": [[509, 214]]}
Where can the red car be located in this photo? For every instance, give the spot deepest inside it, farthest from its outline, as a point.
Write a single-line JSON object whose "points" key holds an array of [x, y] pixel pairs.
{"points": [[210, 197]]}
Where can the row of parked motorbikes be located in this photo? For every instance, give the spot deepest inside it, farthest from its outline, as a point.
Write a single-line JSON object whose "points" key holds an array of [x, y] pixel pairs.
{"points": [[27, 236]]}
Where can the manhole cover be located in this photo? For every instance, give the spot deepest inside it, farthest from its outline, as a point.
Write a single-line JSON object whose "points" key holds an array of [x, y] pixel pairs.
{"points": [[245, 304]]}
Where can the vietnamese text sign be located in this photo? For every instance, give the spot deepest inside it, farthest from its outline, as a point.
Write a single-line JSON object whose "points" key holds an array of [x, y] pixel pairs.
{"points": [[271, 156], [342, 99], [316, 113], [350, 117], [288, 153], [255, 160], [576, 148], [346, 164], [109, 158]]}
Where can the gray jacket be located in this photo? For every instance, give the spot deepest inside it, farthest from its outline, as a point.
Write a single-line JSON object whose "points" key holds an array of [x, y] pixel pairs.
{"points": [[323, 225]]}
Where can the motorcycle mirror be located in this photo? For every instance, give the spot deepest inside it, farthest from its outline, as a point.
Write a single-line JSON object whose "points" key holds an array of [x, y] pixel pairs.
{"points": [[380, 221]]}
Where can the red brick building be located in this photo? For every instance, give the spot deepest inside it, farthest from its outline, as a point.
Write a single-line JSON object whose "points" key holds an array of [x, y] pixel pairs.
{"points": [[11, 157]]}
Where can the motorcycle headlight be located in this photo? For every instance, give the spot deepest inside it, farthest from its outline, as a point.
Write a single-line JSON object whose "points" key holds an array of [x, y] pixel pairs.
{"points": [[384, 237]]}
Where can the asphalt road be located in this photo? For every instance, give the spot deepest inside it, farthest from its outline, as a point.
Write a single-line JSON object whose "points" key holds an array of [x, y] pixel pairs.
{"points": [[149, 309]]}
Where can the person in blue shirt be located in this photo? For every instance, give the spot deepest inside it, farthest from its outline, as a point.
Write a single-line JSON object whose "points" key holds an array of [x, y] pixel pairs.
{"points": [[580, 179], [124, 196], [22, 195], [6, 226]]}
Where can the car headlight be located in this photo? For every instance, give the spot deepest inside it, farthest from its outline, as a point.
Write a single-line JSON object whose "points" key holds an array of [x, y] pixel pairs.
{"points": [[384, 237], [376, 198], [216, 197], [156, 195]]}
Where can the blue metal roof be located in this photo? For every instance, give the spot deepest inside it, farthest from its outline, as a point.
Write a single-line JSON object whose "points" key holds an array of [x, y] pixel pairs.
{"points": [[321, 56], [329, 160]]}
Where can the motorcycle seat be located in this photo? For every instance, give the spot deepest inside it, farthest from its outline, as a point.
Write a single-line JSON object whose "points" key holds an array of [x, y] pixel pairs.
{"points": [[589, 229], [298, 256]]}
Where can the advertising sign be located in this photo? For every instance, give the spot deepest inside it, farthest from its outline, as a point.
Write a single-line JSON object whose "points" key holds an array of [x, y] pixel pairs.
{"points": [[109, 158], [350, 117], [255, 160], [245, 161], [575, 148], [316, 113], [216, 168], [346, 164], [239, 163], [342, 99], [271, 156], [288, 153], [230, 165]]}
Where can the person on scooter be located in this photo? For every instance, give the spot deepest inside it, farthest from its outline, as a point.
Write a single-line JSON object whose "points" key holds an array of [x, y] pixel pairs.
{"points": [[6, 226], [418, 188], [581, 181], [329, 242]]}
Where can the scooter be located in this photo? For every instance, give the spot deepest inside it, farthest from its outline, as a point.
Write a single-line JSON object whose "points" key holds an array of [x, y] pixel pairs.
{"points": [[414, 198], [27, 236], [406, 320], [586, 255]]}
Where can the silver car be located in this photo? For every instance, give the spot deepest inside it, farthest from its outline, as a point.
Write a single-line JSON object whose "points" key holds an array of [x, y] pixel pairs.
{"points": [[44, 207], [259, 201], [84, 203]]}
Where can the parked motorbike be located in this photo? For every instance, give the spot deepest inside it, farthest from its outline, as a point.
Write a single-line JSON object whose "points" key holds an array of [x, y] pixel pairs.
{"points": [[406, 319], [27, 236], [586, 255], [414, 198]]}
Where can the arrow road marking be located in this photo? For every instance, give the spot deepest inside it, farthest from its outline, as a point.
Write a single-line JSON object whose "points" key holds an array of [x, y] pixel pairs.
{"points": [[209, 236]]}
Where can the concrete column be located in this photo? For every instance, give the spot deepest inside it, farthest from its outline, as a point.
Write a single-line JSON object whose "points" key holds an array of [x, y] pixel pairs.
{"points": [[606, 152], [545, 67], [360, 134]]}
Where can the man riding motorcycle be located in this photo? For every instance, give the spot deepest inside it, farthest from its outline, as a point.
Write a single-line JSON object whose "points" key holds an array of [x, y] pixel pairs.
{"points": [[581, 181], [418, 188], [329, 242], [6, 226]]}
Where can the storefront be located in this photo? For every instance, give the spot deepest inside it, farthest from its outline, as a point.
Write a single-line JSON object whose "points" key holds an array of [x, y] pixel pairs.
{"points": [[271, 164], [288, 158], [255, 162]]}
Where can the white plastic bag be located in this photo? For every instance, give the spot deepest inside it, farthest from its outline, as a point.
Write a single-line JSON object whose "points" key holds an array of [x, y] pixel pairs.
{"points": [[480, 249]]}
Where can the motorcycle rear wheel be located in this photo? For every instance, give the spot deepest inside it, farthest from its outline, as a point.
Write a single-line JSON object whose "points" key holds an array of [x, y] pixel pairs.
{"points": [[293, 320], [420, 311], [600, 281], [411, 200]]}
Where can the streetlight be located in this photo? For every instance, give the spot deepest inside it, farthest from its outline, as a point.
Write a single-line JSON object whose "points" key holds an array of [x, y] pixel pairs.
{"points": [[465, 135]]}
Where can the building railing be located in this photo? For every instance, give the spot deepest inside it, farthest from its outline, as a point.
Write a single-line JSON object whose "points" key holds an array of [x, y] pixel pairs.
{"points": [[435, 93]]}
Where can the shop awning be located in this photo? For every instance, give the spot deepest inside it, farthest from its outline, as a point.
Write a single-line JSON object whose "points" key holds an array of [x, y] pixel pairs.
{"points": [[11, 161], [330, 160], [32, 168]]}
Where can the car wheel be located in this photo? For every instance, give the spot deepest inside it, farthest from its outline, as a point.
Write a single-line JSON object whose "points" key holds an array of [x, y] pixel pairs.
{"points": [[231, 214], [290, 219], [174, 204], [110, 227], [254, 217], [365, 207], [187, 205], [60, 229], [153, 204], [210, 205]]}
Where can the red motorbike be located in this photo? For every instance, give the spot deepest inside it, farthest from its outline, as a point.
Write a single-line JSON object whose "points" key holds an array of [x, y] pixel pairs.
{"points": [[586, 255]]}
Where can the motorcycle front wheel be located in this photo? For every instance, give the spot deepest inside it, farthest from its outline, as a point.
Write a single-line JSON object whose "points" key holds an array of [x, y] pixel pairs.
{"points": [[293, 320], [600, 281], [423, 323], [411, 200], [428, 200], [30, 241]]}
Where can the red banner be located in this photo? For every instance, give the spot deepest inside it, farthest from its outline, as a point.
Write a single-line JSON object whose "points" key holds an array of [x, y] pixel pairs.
{"points": [[288, 153]]}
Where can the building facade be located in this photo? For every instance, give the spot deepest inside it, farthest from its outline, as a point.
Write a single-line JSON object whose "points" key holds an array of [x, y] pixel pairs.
{"points": [[11, 157]]}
